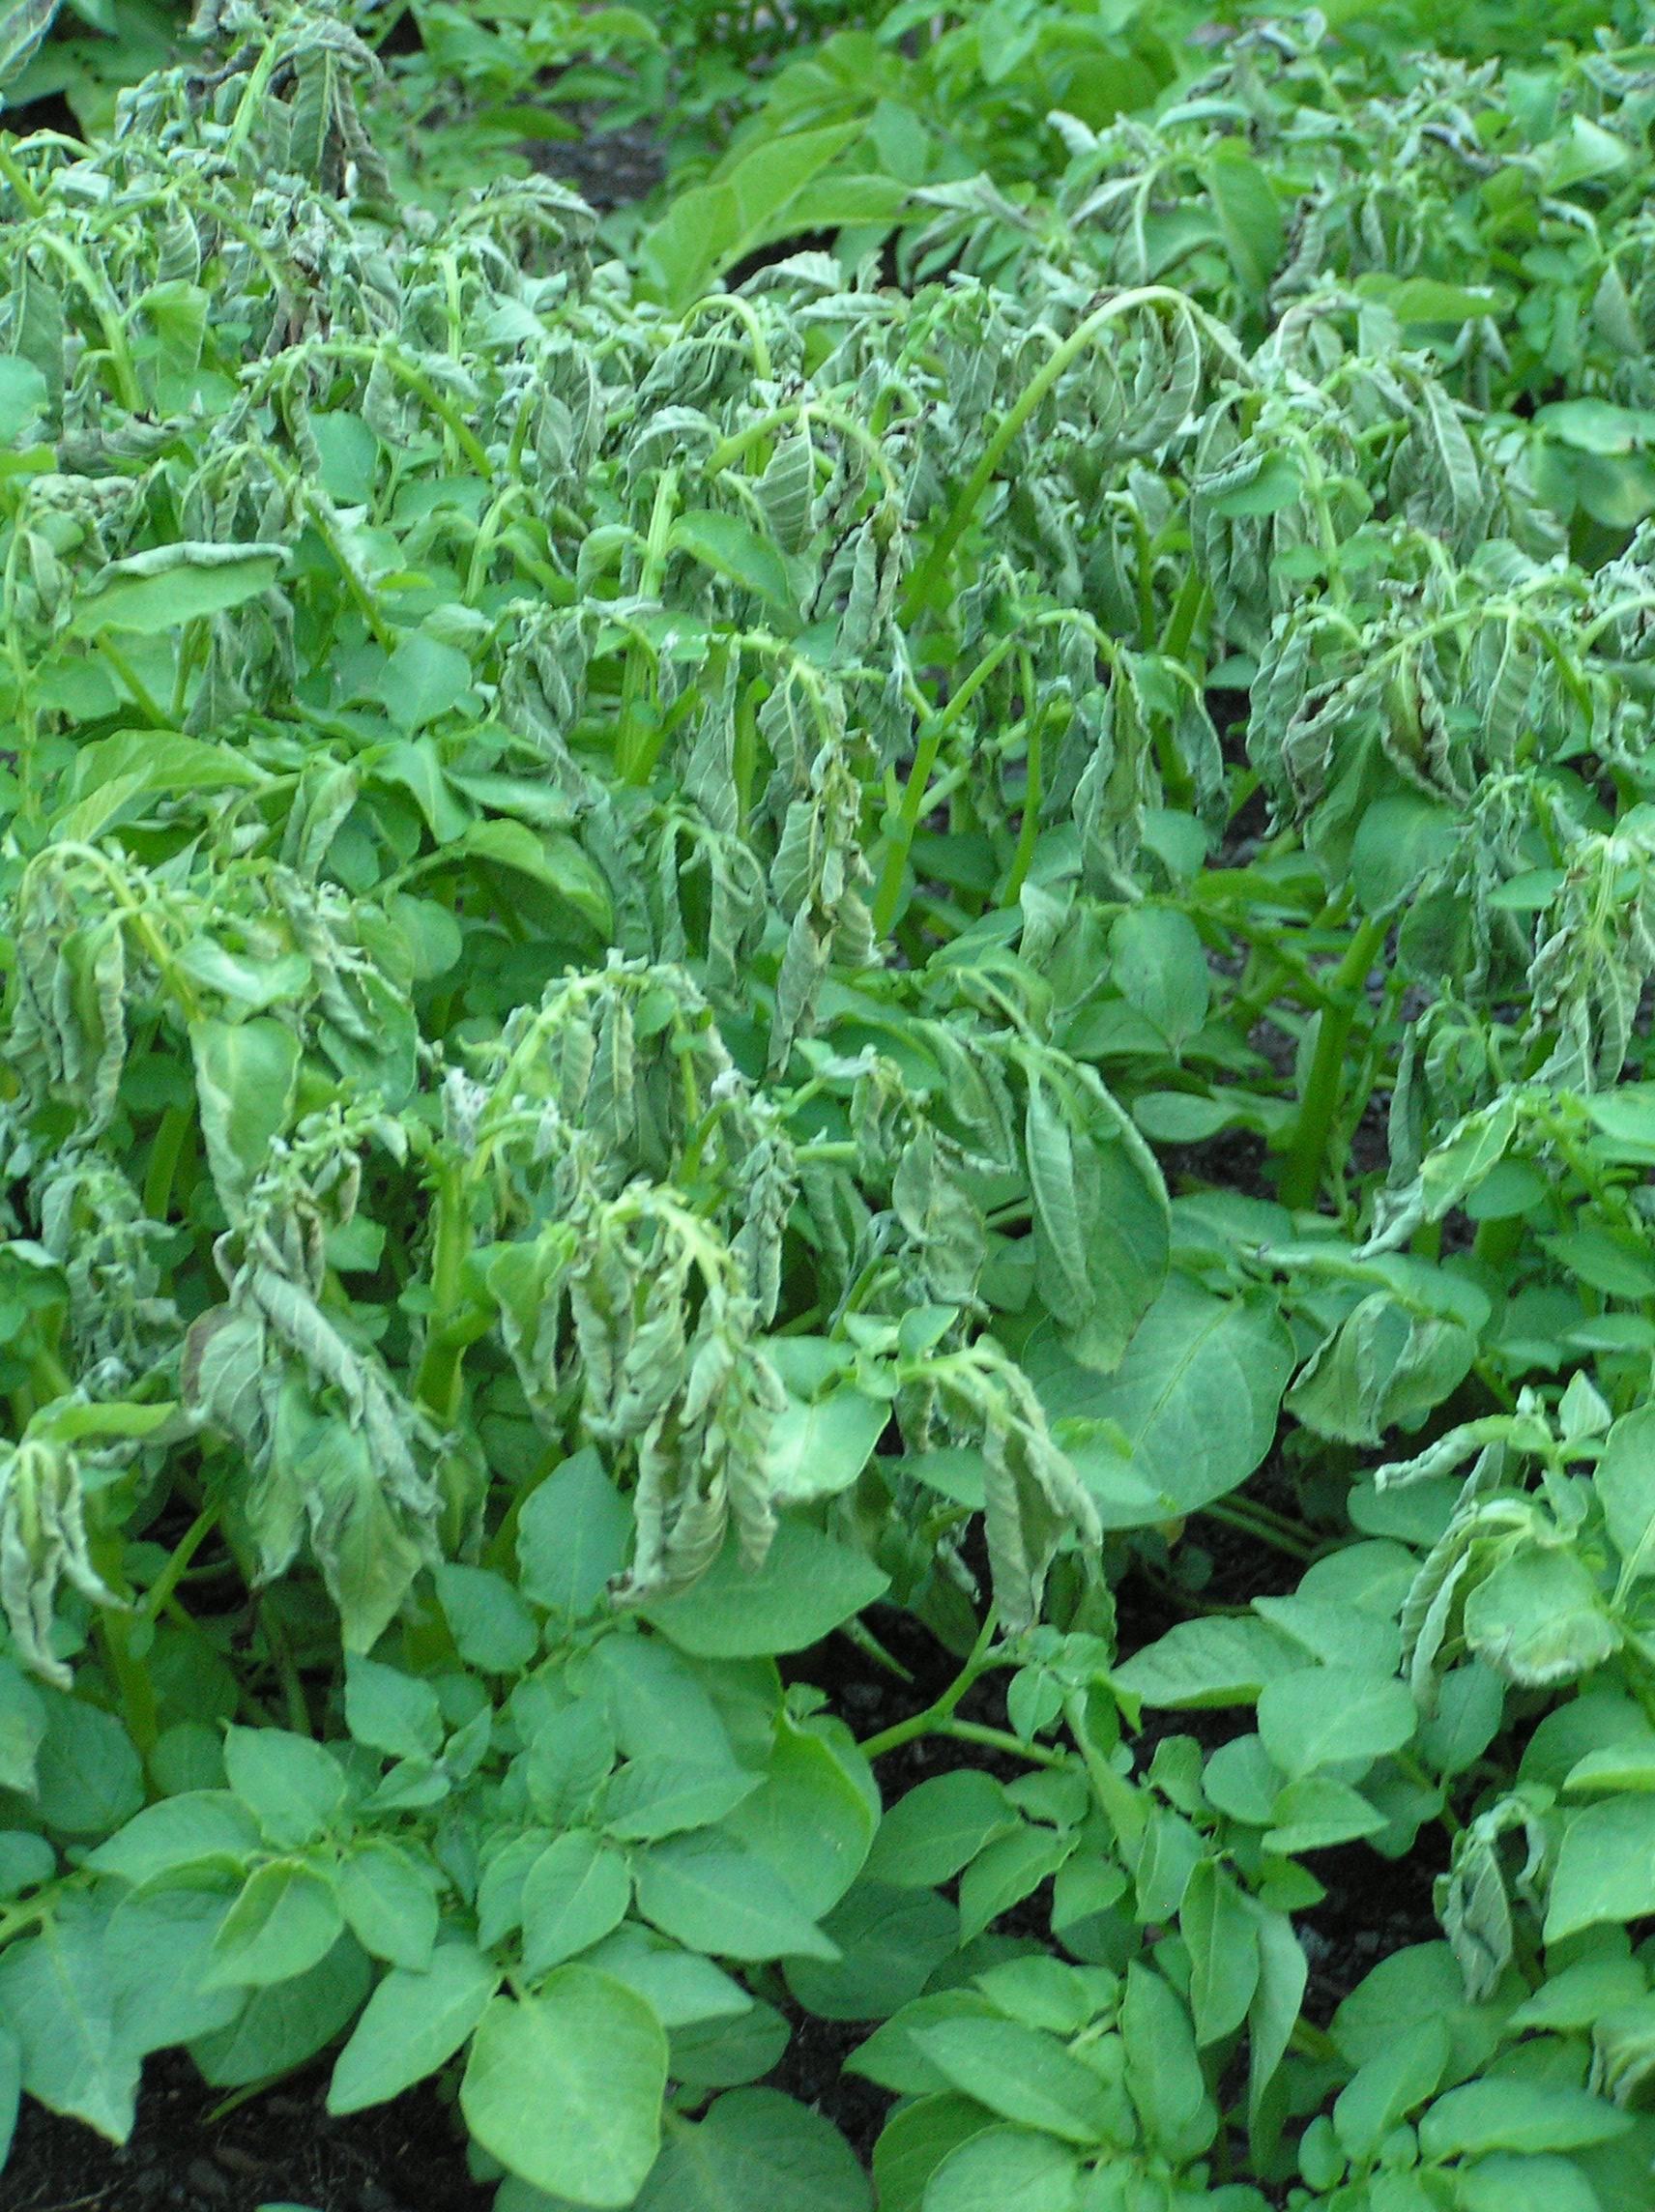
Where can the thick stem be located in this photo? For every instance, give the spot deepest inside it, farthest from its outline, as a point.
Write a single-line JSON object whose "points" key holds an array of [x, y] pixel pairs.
{"points": [[1306, 1154], [634, 758], [909, 815], [438, 1385]]}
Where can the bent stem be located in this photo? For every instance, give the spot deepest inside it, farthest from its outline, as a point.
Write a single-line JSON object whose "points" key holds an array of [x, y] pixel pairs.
{"points": [[938, 1718], [926, 575], [909, 815]]}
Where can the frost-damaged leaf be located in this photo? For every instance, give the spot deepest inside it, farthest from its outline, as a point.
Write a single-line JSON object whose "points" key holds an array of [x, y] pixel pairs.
{"points": [[23, 24], [43, 1543], [245, 1076], [1100, 1212]]}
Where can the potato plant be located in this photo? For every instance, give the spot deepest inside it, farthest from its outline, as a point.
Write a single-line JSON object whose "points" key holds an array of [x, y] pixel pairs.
{"points": [[934, 951]]}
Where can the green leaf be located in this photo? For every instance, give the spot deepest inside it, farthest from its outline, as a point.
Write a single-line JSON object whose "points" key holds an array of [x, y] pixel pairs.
{"points": [[807, 1587], [58, 2000], [1003, 2166], [1274, 2015], [1223, 1943], [23, 394], [391, 1711], [1160, 967], [656, 1796], [26, 1860], [199, 1826], [1023, 2075], [757, 2151], [937, 1828], [286, 1918], [11, 2089], [293, 1787], [915, 2140], [1163, 2069], [576, 1892], [413, 2024], [492, 1628], [1606, 1867], [1215, 1662], [1331, 1716], [89, 1778], [282, 2026], [1389, 2086], [812, 1817], [1197, 1398], [422, 680], [711, 225], [1007, 1870], [1247, 211], [554, 862], [564, 2088], [573, 1535], [715, 1896], [890, 1942], [1315, 1813], [1493, 2115], [171, 583], [725, 542], [1515, 2183], [1429, 299], [22, 1729], [389, 1902], [818, 1450], [1624, 1480], [681, 1987]]}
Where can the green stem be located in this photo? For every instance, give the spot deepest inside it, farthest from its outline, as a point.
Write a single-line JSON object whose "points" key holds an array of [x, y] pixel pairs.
{"points": [[1003, 1739], [633, 758], [1306, 1154], [159, 1592], [938, 1718], [287, 1671], [143, 697], [131, 1681], [729, 304], [888, 895], [164, 1153], [14, 174], [1267, 1528], [438, 1386], [106, 307], [411, 374], [1033, 791], [930, 571]]}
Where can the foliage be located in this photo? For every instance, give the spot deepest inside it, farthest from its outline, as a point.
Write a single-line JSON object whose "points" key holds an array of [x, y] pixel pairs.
{"points": [[685, 964]]}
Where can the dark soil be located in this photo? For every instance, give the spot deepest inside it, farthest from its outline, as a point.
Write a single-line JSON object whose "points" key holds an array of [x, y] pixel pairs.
{"points": [[281, 2148], [608, 168]]}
